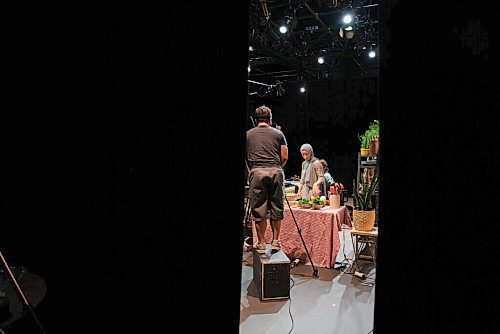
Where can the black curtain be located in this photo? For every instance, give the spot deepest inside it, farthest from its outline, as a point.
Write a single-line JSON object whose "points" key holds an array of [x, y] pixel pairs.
{"points": [[121, 188]]}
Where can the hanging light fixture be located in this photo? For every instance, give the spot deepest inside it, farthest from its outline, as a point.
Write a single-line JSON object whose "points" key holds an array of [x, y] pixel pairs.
{"points": [[347, 28], [286, 25]]}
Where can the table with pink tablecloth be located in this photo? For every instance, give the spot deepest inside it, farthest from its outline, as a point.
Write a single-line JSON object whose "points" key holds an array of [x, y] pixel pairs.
{"points": [[319, 229]]}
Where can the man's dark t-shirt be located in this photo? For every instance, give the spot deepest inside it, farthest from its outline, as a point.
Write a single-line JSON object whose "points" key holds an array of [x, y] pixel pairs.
{"points": [[264, 146]]}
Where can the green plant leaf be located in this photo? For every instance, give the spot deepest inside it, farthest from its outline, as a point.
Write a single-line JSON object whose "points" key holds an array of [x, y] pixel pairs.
{"points": [[363, 197]]}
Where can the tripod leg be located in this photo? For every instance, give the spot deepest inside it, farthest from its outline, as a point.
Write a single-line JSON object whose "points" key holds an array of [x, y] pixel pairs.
{"points": [[247, 221], [22, 297], [315, 270]]}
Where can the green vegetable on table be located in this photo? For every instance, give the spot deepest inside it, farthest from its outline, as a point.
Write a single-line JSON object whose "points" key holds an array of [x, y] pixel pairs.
{"points": [[319, 201]]}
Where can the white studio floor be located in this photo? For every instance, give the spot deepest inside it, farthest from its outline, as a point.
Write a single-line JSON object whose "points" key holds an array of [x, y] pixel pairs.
{"points": [[334, 302]]}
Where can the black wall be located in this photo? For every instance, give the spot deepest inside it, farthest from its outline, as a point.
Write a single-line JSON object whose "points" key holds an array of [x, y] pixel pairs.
{"points": [[114, 128]]}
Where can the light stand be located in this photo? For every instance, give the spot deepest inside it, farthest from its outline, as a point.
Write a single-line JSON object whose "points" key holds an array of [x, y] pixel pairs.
{"points": [[24, 301], [315, 269], [247, 219]]}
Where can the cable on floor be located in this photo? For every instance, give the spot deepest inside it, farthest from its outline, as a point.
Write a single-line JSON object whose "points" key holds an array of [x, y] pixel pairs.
{"points": [[290, 305], [291, 317]]}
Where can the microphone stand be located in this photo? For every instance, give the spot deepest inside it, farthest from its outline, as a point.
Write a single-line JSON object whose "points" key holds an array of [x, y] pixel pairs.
{"points": [[315, 269], [24, 301]]}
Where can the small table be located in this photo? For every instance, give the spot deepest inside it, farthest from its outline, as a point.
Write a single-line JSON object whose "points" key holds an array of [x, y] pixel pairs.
{"points": [[360, 240]]}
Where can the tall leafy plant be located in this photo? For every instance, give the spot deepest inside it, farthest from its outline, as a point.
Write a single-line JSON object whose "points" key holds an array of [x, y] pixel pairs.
{"points": [[363, 196]]}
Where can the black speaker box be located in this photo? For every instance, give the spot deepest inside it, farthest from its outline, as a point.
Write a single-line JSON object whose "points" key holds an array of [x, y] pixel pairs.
{"points": [[271, 274]]}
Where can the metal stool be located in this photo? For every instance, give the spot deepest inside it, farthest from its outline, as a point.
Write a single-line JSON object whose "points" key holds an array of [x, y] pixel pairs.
{"points": [[360, 240]]}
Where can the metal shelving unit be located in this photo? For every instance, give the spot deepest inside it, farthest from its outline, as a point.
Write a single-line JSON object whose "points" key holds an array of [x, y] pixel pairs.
{"points": [[367, 161]]}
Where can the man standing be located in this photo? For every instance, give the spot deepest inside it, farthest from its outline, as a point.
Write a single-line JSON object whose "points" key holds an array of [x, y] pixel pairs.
{"points": [[267, 154]]}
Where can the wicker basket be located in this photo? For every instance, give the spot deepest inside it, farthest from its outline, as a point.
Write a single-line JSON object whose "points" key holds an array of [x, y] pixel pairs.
{"points": [[363, 220]]}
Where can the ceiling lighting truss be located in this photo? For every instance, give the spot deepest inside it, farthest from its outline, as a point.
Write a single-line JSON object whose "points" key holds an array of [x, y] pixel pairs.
{"points": [[315, 31]]}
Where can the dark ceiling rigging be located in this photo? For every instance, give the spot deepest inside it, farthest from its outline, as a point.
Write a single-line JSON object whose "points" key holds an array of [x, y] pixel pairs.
{"points": [[315, 29]]}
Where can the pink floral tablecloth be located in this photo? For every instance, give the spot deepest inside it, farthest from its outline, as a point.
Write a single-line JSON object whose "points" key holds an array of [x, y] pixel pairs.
{"points": [[319, 229]]}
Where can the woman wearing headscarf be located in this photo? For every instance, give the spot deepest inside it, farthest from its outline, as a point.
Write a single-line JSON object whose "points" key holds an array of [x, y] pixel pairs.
{"points": [[312, 179]]}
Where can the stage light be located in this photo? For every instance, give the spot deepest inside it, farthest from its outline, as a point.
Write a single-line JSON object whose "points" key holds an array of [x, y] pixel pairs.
{"points": [[371, 54], [321, 60], [347, 28], [347, 19], [302, 89], [287, 21]]}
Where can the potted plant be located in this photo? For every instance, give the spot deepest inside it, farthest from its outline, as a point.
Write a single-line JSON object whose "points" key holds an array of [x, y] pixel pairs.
{"points": [[318, 202], [363, 209], [305, 203], [365, 144], [369, 139]]}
